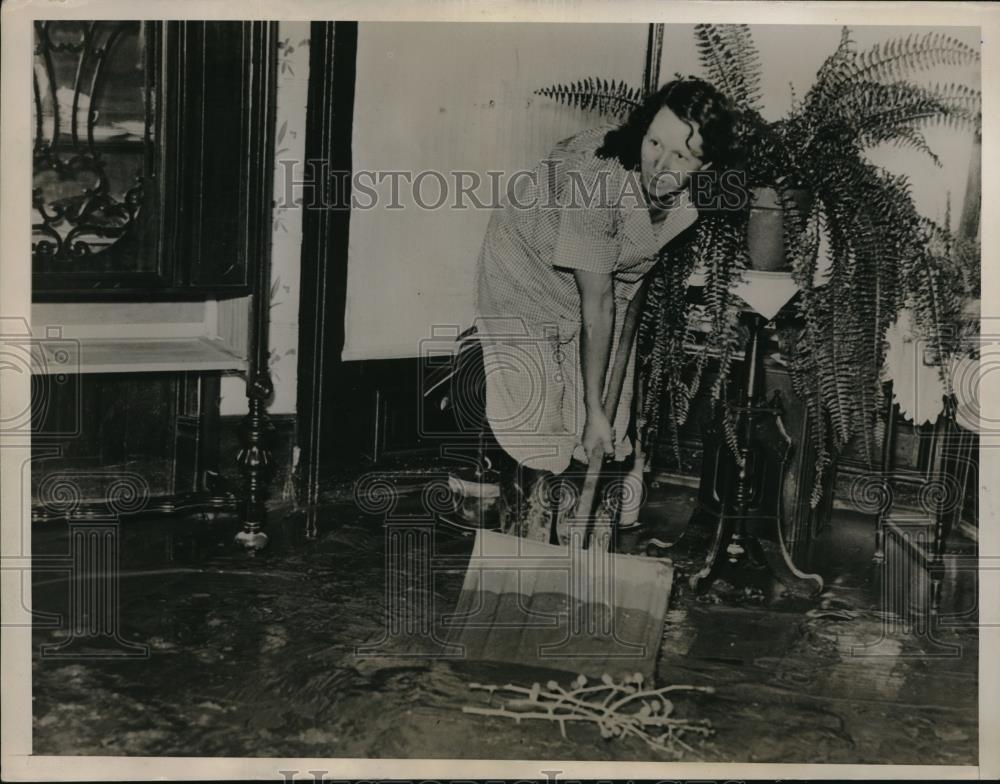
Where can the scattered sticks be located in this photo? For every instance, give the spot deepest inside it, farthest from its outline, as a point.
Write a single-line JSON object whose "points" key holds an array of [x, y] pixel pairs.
{"points": [[620, 709]]}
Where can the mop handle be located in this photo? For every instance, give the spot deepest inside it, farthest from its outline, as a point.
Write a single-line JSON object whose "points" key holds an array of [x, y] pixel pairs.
{"points": [[585, 506]]}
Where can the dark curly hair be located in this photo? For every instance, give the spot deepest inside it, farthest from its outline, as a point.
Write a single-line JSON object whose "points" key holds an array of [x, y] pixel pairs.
{"points": [[693, 101]]}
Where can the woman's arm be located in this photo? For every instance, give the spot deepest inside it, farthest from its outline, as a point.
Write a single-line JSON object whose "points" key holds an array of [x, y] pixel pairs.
{"points": [[597, 307]]}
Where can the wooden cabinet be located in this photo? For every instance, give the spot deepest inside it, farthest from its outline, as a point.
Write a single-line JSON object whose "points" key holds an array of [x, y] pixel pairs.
{"points": [[152, 199]]}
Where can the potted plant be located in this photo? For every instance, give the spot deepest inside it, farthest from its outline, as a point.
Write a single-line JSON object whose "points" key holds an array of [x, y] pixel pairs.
{"points": [[835, 211]]}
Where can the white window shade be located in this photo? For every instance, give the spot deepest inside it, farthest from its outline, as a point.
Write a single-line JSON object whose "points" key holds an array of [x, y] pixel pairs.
{"points": [[448, 98]]}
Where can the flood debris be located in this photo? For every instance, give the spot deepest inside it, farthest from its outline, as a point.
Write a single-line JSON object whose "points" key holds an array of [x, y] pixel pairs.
{"points": [[620, 709]]}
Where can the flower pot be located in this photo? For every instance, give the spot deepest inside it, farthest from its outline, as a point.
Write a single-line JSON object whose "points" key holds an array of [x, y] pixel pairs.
{"points": [[765, 229]]}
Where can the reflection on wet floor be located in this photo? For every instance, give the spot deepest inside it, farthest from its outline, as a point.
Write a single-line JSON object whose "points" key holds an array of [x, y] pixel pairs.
{"points": [[259, 656]]}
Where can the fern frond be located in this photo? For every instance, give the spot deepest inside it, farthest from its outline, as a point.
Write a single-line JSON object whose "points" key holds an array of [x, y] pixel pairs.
{"points": [[960, 97], [900, 57], [661, 336], [883, 112], [857, 75], [611, 99], [727, 258], [902, 138], [938, 292], [730, 58], [833, 74]]}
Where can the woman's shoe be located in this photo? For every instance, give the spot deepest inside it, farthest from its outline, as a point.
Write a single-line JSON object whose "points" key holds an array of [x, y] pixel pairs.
{"points": [[474, 505]]}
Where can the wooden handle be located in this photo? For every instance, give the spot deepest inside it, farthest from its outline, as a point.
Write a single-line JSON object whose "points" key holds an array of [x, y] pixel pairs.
{"points": [[585, 505], [586, 501], [622, 354]]}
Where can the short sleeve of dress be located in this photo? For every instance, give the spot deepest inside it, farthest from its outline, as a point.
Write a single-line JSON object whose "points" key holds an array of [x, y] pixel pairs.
{"points": [[586, 239]]}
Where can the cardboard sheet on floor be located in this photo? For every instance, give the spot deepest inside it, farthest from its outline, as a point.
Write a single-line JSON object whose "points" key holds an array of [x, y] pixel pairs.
{"points": [[562, 608]]}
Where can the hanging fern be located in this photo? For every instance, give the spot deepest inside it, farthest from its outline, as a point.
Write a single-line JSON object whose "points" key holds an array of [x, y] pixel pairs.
{"points": [[883, 254], [662, 335], [878, 241], [726, 256], [672, 374]]}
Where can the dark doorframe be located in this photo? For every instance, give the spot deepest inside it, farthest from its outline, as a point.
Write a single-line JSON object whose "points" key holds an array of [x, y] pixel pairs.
{"points": [[654, 54], [325, 228]]}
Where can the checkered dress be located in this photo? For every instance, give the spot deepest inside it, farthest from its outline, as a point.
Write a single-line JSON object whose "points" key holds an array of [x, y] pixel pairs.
{"points": [[576, 212]]}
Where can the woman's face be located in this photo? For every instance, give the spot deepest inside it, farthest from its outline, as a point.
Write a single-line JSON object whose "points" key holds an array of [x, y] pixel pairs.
{"points": [[671, 152]]}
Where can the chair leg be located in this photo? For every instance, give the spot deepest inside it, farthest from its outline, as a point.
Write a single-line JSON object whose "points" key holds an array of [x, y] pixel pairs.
{"points": [[888, 450]]}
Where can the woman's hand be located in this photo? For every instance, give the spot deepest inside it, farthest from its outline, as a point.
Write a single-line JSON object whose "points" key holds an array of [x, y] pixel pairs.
{"points": [[598, 435]]}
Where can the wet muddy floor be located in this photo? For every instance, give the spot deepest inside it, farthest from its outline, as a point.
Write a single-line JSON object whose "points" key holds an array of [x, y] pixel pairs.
{"points": [[295, 653]]}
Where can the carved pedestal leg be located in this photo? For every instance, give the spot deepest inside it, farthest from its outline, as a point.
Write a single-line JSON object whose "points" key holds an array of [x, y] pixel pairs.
{"points": [[771, 550], [715, 558], [739, 511], [254, 460]]}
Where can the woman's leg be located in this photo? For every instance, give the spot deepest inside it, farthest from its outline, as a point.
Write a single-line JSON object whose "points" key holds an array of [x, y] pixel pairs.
{"points": [[524, 491]]}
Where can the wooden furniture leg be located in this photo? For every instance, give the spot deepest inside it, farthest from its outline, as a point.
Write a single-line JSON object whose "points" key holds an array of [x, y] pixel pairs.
{"points": [[254, 461], [955, 445], [888, 464], [207, 464]]}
